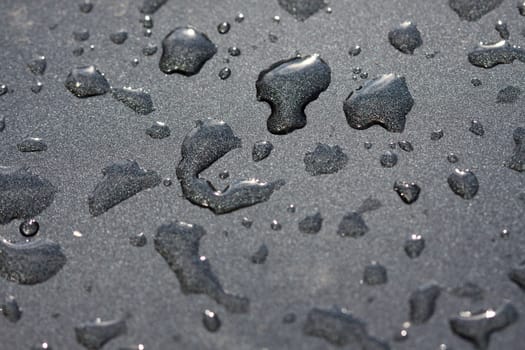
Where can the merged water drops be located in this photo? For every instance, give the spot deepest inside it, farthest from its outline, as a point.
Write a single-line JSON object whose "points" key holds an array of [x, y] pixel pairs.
{"points": [[311, 224], [340, 328], [407, 191], [206, 143], [509, 94], [423, 302], [259, 257], [11, 310], [86, 81], [463, 183], [119, 37], [325, 159], [302, 9], [352, 224], [136, 99], [288, 86], [3, 89], [261, 150], [517, 159], [94, 335], [151, 6], [375, 274], [23, 195], [122, 180], [178, 243], [384, 100], [32, 144], [185, 50], [158, 131], [30, 262], [473, 10], [477, 328], [490, 55], [37, 65], [405, 38]]}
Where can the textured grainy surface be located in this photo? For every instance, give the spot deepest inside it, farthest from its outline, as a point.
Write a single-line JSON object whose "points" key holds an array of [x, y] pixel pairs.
{"points": [[106, 277]]}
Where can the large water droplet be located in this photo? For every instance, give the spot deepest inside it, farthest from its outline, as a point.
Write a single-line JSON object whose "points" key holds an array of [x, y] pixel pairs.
{"points": [[384, 100], [178, 243], [121, 181], [406, 37], [325, 159], [517, 160], [30, 262], [94, 335], [206, 143], [302, 9], [463, 183], [185, 50], [407, 191], [490, 55], [86, 81], [472, 10], [288, 86], [423, 302], [136, 99]]}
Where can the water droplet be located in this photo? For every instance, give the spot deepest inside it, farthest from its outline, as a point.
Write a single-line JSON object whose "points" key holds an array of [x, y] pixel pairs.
{"points": [[436, 134], [502, 29], [225, 73], [288, 86], [517, 160], [289, 318], [476, 128], [135, 62], [223, 175], [94, 335], [504, 234], [521, 7], [273, 38], [311, 223], [178, 244], [119, 37], [452, 158], [211, 321], [147, 33], [85, 6], [11, 310], [375, 274], [158, 130], [259, 257], [185, 50], [29, 228], [423, 302], [42, 346], [3, 89], [37, 87], [363, 75], [463, 183], [328, 10], [406, 146], [86, 81], [138, 240], [368, 145], [149, 50], [510, 94], [468, 290], [325, 159], [81, 35], [355, 51], [234, 51], [147, 22], [2, 124], [261, 150], [239, 18], [352, 224], [275, 225], [223, 27], [407, 191], [517, 275], [79, 51], [356, 70], [206, 143], [32, 144], [151, 6], [167, 182], [388, 159], [473, 10], [414, 246], [490, 55], [340, 328], [476, 82], [405, 38], [477, 328], [384, 100], [122, 180], [37, 65], [276, 19], [136, 99], [392, 145], [92, 47], [290, 208], [301, 9], [30, 262], [24, 195], [431, 54], [246, 222]]}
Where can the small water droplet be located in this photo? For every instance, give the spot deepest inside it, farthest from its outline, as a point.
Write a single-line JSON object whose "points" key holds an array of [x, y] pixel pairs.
{"points": [[352, 224], [259, 257], [149, 50], [223, 175], [476, 82], [138, 240], [261, 150], [29, 228], [363, 75], [368, 145], [414, 246], [276, 19], [37, 87], [136, 99], [388, 159], [290, 208], [211, 321], [119, 37], [147, 33], [223, 27], [86, 81], [325, 159], [239, 18], [158, 131], [436, 134], [3, 89], [147, 22], [463, 183], [275, 225], [476, 128], [85, 6], [301, 10], [468, 290], [355, 51], [42, 346], [517, 160], [311, 224], [94, 335], [431, 54], [505, 234], [328, 10], [405, 38], [37, 65], [375, 274], [81, 35], [406, 146], [407, 191], [2, 124], [234, 51], [246, 222], [11, 310], [423, 302], [92, 47], [452, 158], [356, 70], [510, 94], [273, 38], [502, 29], [521, 7], [167, 182], [289, 318], [225, 73], [79, 51], [517, 275]]}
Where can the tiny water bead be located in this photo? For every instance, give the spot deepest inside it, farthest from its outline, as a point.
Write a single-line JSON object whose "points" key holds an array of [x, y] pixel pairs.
{"points": [[135, 62], [185, 50], [11, 310], [502, 29], [246, 222], [290, 209], [275, 225], [137, 99], [223, 27], [147, 32], [325, 159], [149, 7], [259, 257], [509, 94], [167, 182], [225, 73], [94, 335], [32, 144], [436, 135], [147, 22], [422, 302], [414, 246], [79, 51], [119, 37], [158, 131], [355, 51], [301, 9], [405, 38], [477, 128], [234, 51], [138, 240], [29, 228], [86, 81], [368, 145], [521, 7], [375, 274], [407, 191], [85, 6], [37, 87], [384, 100], [504, 234], [81, 35], [406, 146], [211, 321], [37, 65], [273, 38], [476, 82], [473, 10], [289, 86], [223, 175], [3, 89], [452, 158], [311, 224], [261, 150], [149, 50], [239, 17], [463, 183], [517, 160], [388, 159]]}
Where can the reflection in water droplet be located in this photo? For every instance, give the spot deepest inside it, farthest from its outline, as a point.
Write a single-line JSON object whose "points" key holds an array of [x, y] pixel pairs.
{"points": [[185, 50], [384, 100], [423, 302], [29, 228], [86, 81], [517, 160], [259, 257], [414, 246], [325, 159], [289, 86], [225, 73], [405, 38], [463, 183], [206, 143], [119, 37], [136, 99], [510, 94], [94, 335], [178, 244], [11, 310], [302, 9], [32, 144], [473, 10], [407, 191], [122, 180], [311, 223], [211, 321]]}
